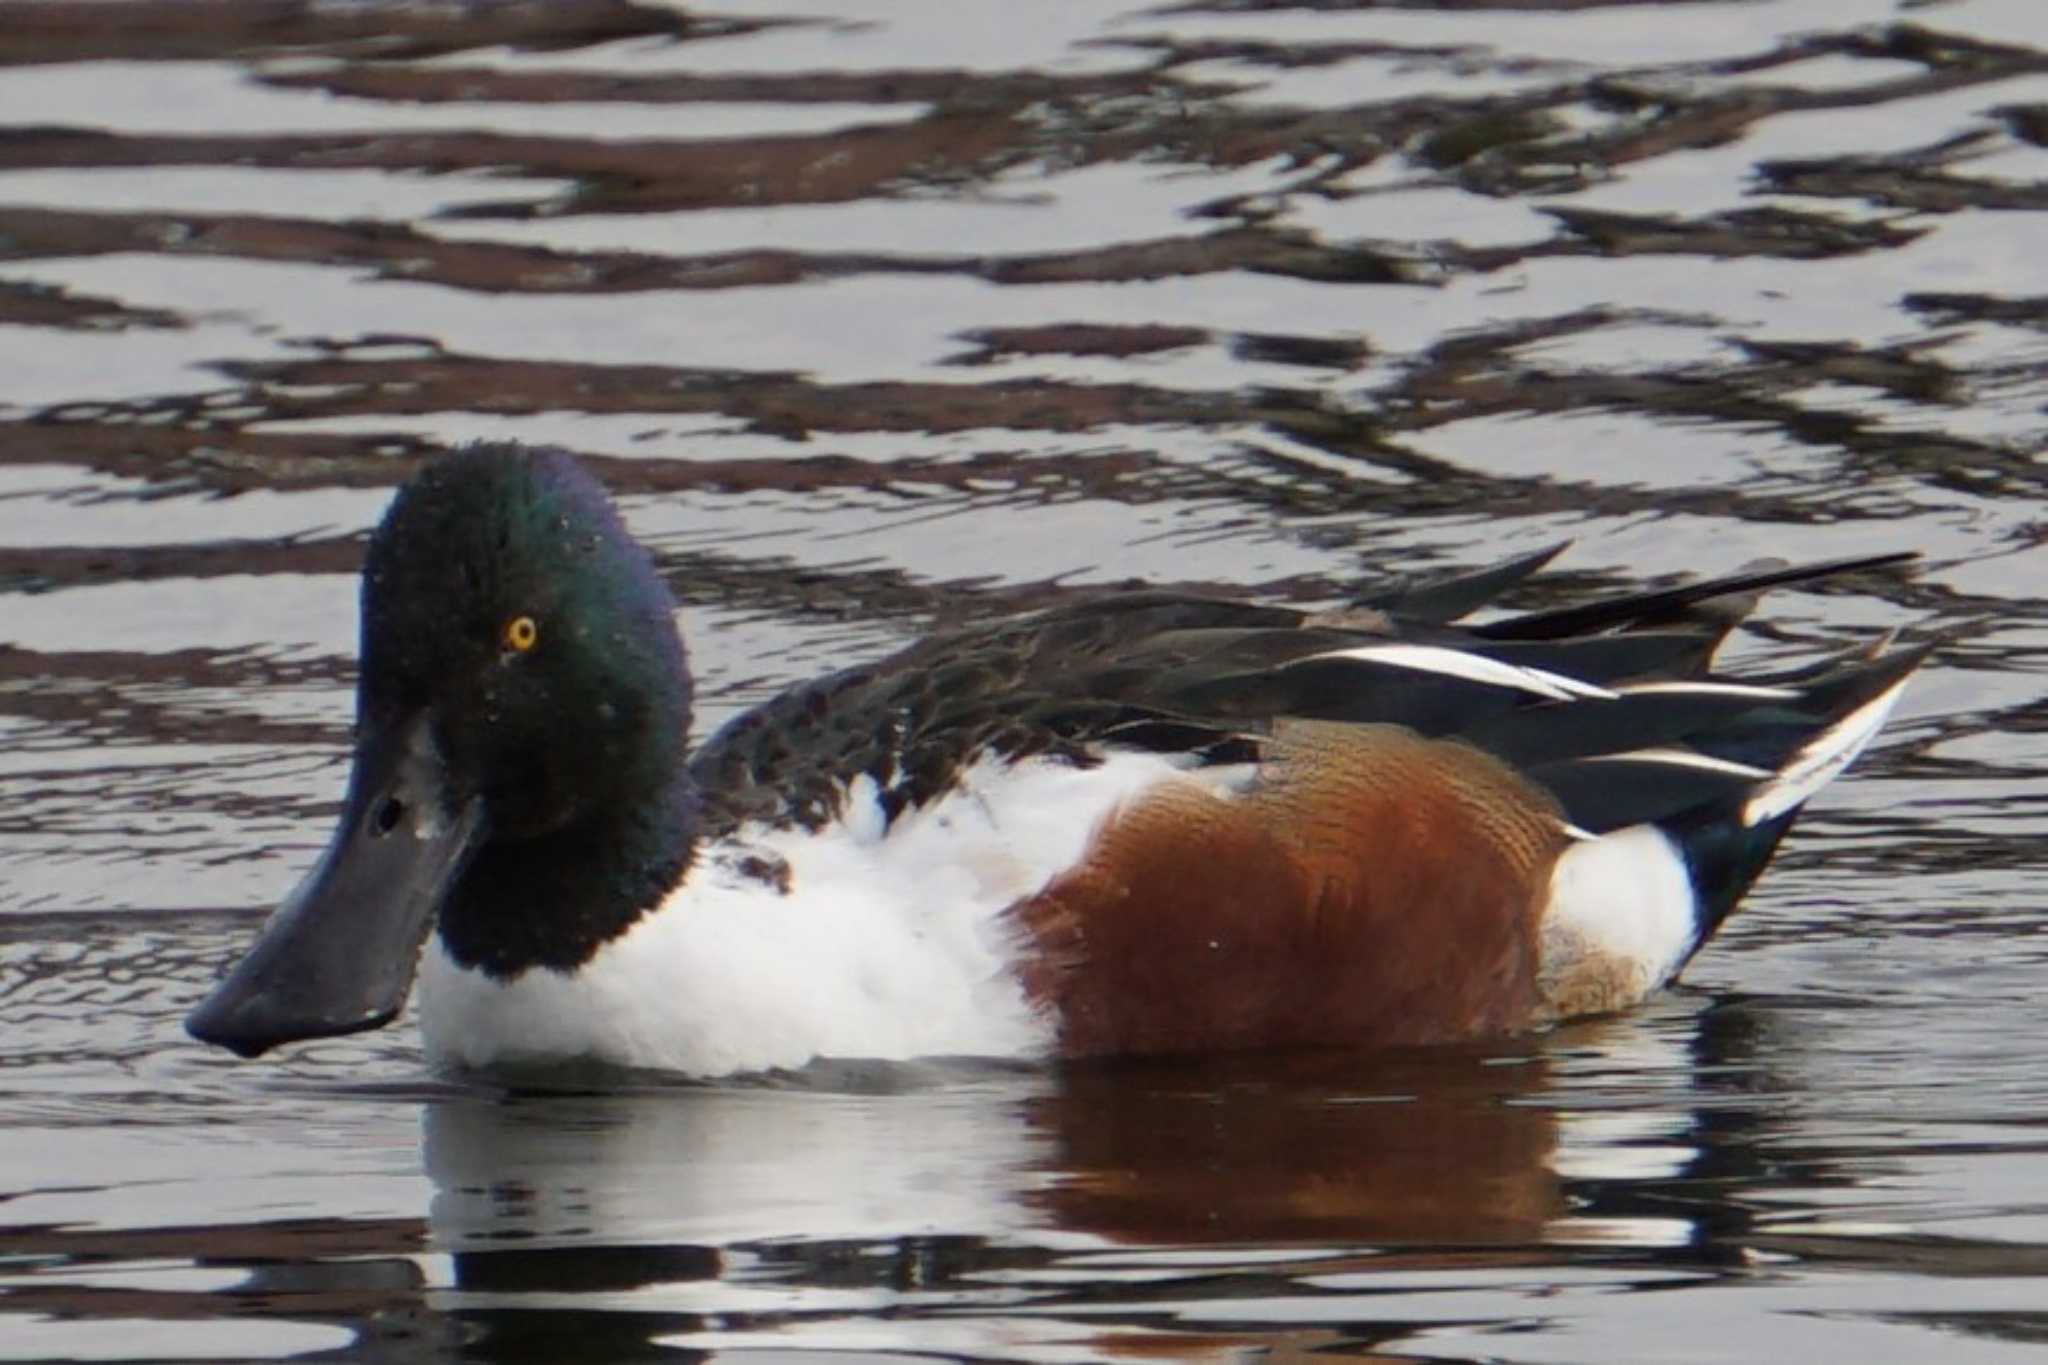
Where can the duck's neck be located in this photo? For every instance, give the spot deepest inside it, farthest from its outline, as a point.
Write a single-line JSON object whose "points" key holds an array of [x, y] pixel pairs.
{"points": [[554, 901]]}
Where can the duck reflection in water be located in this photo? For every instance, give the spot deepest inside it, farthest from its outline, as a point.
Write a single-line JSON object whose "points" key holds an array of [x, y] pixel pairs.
{"points": [[967, 1192], [975, 1211]]}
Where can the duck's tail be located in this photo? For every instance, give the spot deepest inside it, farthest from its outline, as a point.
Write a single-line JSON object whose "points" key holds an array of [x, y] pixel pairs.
{"points": [[1668, 838]]}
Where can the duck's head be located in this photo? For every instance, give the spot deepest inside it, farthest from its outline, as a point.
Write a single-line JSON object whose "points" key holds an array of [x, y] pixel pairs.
{"points": [[523, 695]]}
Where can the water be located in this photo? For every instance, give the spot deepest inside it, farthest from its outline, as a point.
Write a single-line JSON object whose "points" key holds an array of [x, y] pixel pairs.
{"points": [[890, 314]]}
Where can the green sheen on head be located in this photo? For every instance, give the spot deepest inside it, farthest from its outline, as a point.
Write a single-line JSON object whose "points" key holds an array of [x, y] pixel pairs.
{"points": [[503, 596]]}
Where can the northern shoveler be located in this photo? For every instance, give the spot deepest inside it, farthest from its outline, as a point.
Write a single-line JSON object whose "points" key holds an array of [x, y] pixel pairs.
{"points": [[1148, 822]]}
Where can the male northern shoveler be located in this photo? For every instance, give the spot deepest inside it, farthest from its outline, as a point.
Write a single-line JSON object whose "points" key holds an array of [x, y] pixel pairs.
{"points": [[1144, 823]]}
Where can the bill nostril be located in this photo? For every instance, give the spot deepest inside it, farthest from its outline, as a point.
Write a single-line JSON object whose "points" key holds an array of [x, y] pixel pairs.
{"points": [[387, 815]]}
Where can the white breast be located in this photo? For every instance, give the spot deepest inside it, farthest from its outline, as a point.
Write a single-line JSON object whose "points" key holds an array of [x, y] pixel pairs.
{"points": [[889, 948]]}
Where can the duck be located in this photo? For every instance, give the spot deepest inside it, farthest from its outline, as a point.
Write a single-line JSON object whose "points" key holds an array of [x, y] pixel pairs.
{"points": [[1138, 823]]}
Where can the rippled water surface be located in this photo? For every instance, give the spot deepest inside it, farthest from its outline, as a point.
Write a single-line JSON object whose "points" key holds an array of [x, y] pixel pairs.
{"points": [[879, 315]]}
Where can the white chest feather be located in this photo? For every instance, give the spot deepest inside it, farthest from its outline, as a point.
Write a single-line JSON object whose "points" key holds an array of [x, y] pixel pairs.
{"points": [[889, 948]]}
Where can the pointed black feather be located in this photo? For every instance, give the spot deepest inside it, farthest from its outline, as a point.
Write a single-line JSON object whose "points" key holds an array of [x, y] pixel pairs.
{"points": [[1649, 608], [1561, 731], [1771, 735], [1440, 598]]}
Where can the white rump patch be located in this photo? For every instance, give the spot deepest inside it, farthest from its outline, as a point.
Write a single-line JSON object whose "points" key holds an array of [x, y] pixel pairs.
{"points": [[1822, 759], [1621, 918], [1457, 663]]}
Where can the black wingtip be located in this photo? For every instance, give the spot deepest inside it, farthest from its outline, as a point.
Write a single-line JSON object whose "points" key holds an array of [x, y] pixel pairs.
{"points": [[1437, 599], [1647, 608]]}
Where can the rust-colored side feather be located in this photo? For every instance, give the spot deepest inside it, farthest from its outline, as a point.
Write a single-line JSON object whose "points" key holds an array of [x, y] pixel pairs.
{"points": [[1374, 887]]}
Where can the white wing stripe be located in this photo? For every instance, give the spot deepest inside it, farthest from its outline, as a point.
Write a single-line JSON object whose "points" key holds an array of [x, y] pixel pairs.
{"points": [[1456, 663], [1709, 689], [1685, 758]]}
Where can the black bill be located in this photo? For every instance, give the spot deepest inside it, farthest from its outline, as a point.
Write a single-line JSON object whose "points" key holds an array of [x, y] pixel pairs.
{"points": [[339, 954]]}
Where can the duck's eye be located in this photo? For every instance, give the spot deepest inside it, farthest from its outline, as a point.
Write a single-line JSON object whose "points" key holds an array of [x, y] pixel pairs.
{"points": [[521, 634]]}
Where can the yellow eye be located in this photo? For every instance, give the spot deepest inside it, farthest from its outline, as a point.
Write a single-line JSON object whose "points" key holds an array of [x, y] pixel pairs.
{"points": [[521, 633]]}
